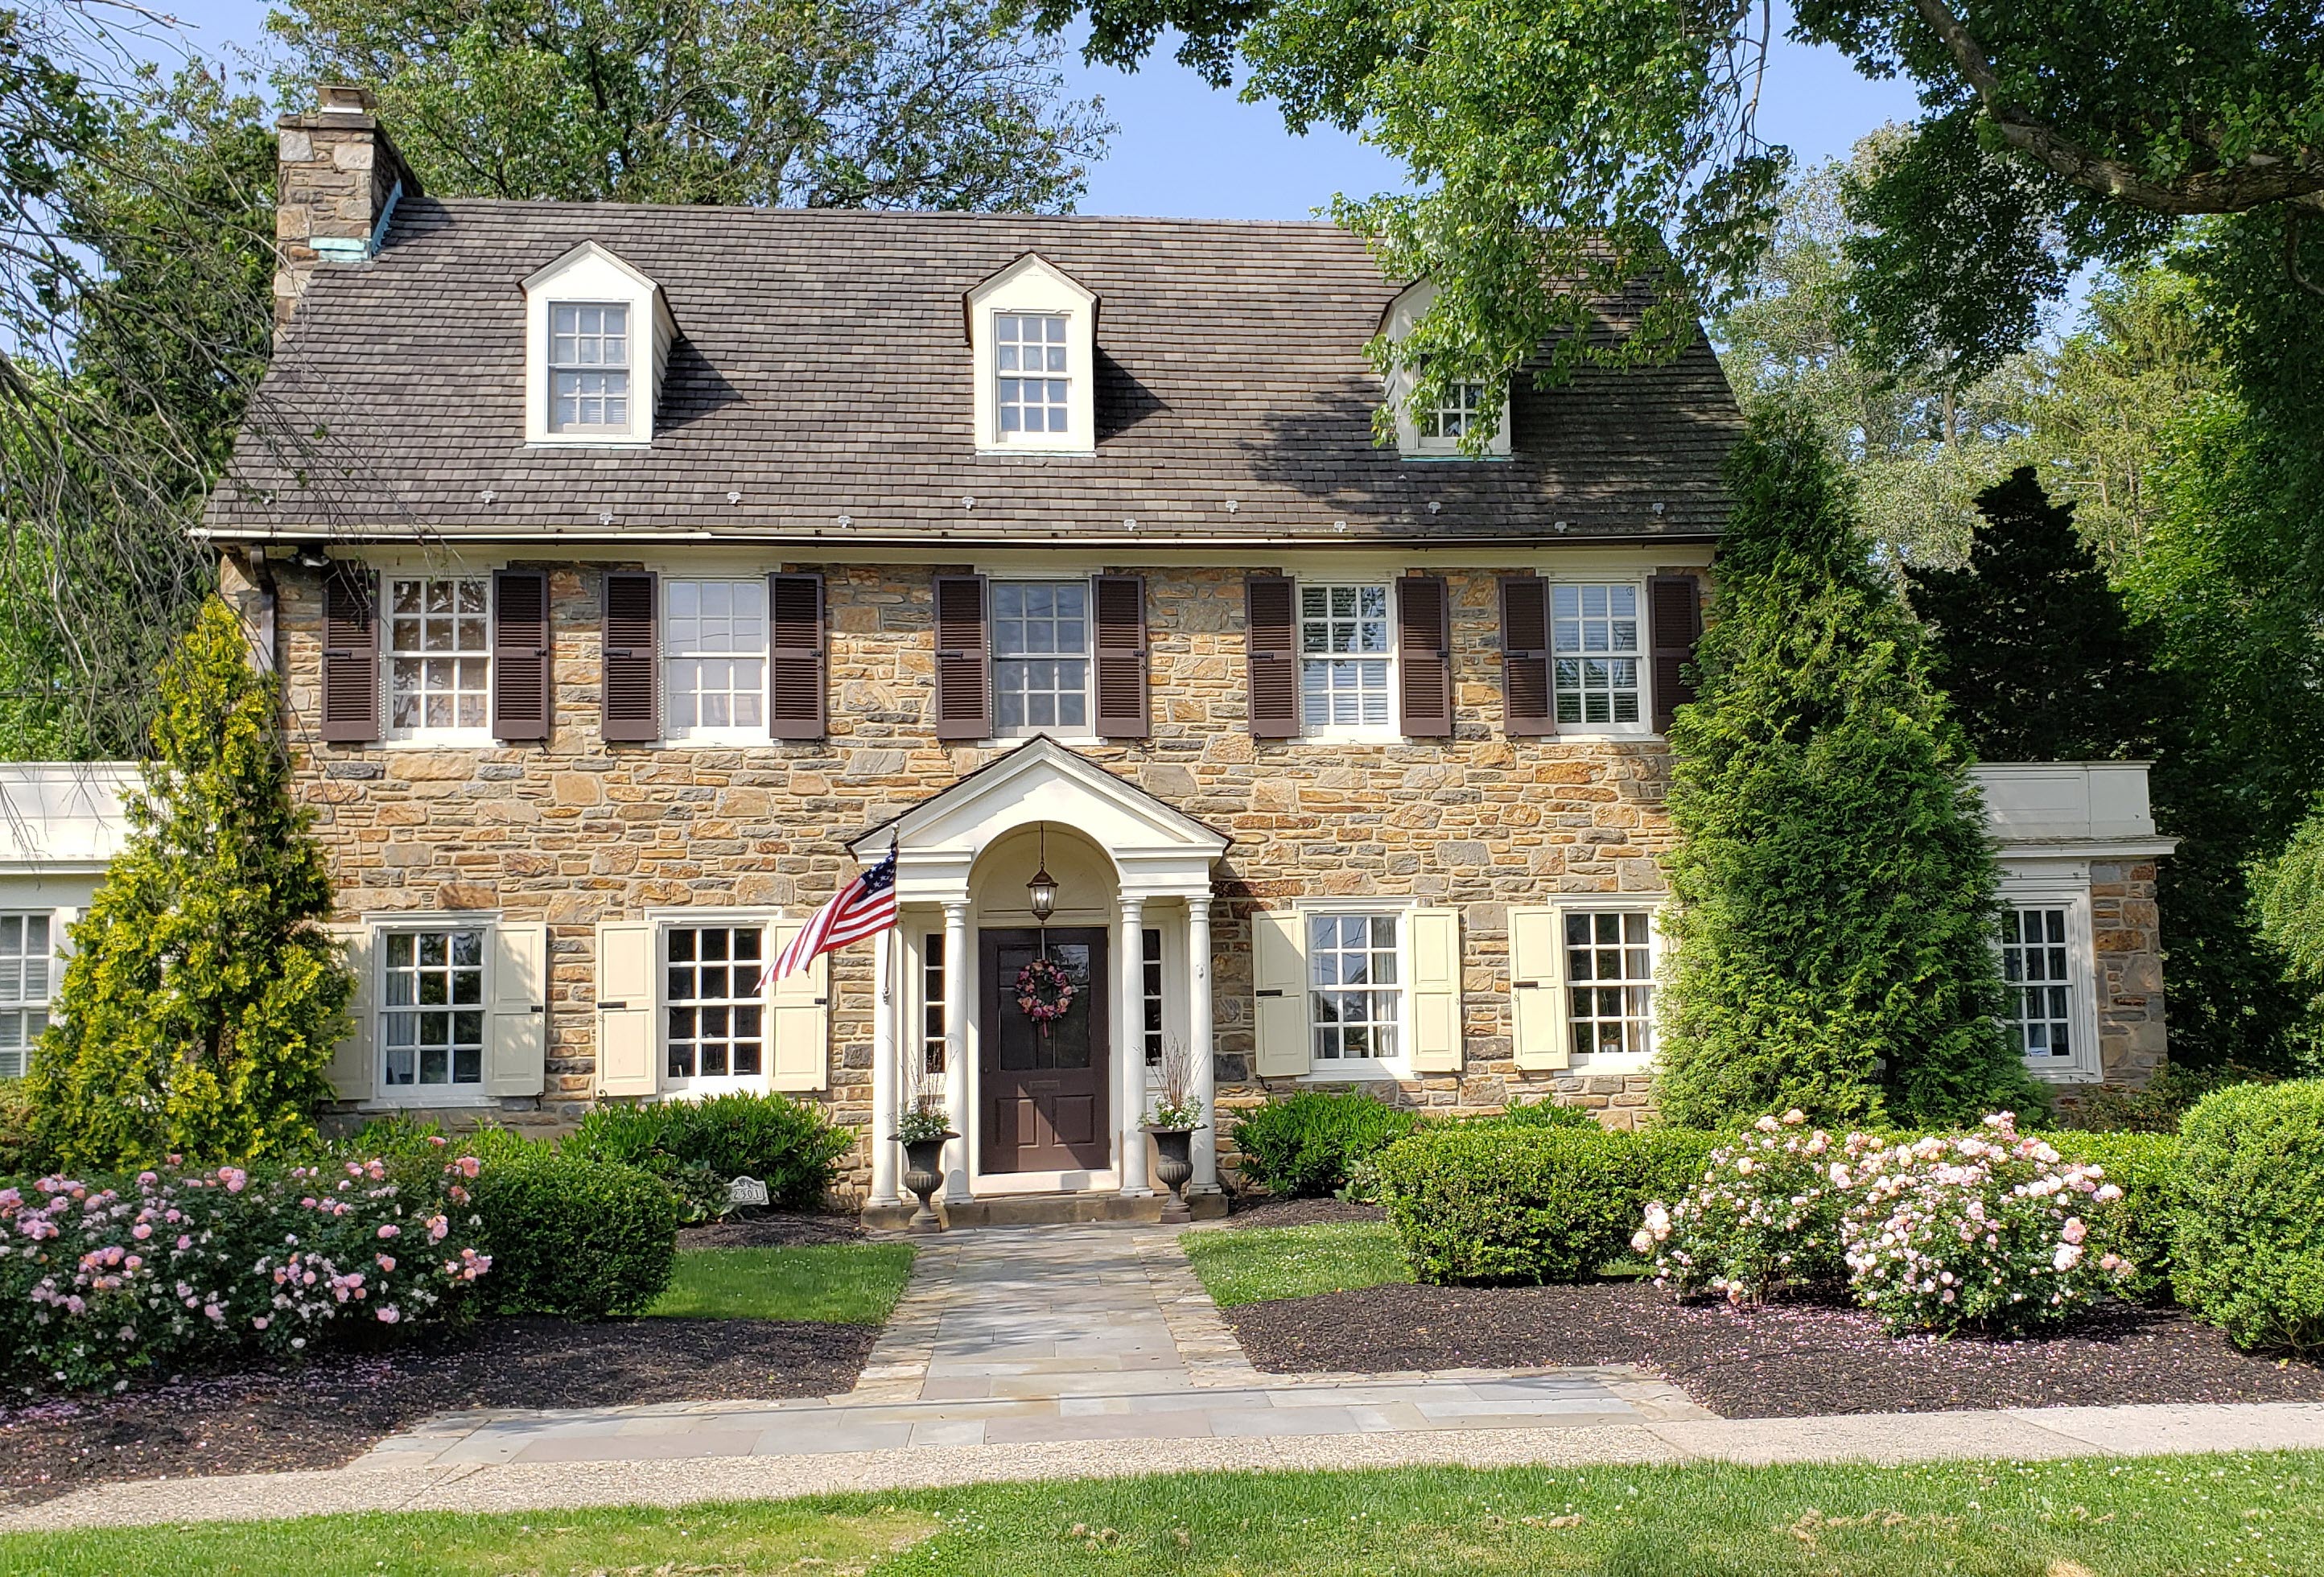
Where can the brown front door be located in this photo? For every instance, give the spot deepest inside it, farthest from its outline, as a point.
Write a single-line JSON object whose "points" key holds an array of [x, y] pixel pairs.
{"points": [[1045, 1095]]}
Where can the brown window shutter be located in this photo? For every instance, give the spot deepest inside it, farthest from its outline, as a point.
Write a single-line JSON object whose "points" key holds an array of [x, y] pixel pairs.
{"points": [[350, 656], [632, 682], [1526, 703], [1271, 639], [521, 678], [795, 656], [964, 660], [1119, 648], [1424, 657], [1674, 611]]}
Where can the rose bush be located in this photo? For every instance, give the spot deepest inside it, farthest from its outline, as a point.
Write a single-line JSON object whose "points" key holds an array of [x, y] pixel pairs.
{"points": [[1988, 1230], [102, 1275], [1764, 1217]]}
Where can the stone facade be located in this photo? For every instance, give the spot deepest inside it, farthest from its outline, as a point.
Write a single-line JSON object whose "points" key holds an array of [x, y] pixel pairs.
{"points": [[2126, 933]]}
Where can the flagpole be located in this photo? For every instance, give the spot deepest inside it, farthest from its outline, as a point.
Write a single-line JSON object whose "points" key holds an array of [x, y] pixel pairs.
{"points": [[887, 1073]]}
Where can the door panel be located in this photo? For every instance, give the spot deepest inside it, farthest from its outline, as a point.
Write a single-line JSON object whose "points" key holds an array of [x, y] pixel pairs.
{"points": [[1045, 1095]]}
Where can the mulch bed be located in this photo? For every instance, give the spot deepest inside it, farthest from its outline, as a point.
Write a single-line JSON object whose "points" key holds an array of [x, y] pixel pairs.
{"points": [[1263, 1210], [1786, 1360], [332, 1410], [779, 1231]]}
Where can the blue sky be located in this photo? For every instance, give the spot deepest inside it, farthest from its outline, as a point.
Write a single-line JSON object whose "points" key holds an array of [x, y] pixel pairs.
{"points": [[1184, 150]]}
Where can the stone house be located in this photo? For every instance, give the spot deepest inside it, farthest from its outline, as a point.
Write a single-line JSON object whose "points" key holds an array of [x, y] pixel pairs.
{"points": [[637, 574]]}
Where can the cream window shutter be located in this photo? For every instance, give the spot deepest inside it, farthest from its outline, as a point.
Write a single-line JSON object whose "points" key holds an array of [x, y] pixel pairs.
{"points": [[351, 1070], [1436, 989], [1537, 1000], [625, 1008], [1279, 972], [798, 1014], [516, 1054]]}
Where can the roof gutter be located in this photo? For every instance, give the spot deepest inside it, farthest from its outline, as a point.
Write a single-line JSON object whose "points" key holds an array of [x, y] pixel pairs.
{"points": [[925, 537]]}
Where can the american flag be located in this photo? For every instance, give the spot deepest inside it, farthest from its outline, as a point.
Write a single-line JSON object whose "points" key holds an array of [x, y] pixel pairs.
{"points": [[864, 907]]}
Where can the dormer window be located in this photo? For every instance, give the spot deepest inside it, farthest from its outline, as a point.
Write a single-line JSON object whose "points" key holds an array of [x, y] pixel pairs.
{"points": [[1463, 404], [1437, 431], [597, 338], [588, 367], [1032, 335]]}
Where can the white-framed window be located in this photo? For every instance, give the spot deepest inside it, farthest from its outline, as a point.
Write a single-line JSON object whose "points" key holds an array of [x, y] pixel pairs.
{"points": [[932, 1004], [1040, 657], [714, 1014], [714, 650], [1347, 655], [1032, 359], [1150, 980], [1356, 993], [431, 1014], [1464, 405], [1610, 976], [1436, 432], [1594, 641], [589, 365], [28, 976], [2049, 973], [439, 657]]}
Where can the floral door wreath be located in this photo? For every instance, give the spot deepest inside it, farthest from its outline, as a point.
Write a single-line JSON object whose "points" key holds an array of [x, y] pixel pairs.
{"points": [[1045, 993]]}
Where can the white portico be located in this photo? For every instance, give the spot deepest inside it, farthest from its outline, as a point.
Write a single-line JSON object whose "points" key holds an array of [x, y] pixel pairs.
{"points": [[1043, 1107]]}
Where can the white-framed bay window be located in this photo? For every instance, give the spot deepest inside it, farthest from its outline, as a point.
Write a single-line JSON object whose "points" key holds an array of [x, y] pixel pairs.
{"points": [[1040, 658], [714, 667], [29, 968], [2049, 973], [438, 667], [1347, 660], [1597, 656]]}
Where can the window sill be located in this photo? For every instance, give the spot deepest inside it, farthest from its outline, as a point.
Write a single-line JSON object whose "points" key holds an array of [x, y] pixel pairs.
{"points": [[2064, 1075], [1349, 736], [421, 1099], [449, 740], [1034, 452], [1432, 456], [720, 739], [1350, 1070], [587, 441], [1080, 741]]}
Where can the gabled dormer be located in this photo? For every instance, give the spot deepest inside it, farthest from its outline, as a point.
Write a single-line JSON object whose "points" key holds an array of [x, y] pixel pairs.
{"points": [[1436, 432], [1032, 332], [597, 335]]}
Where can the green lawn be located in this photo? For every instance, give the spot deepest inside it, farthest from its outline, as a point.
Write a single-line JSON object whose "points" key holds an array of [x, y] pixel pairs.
{"points": [[1252, 1264], [2172, 1516], [838, 1283]]}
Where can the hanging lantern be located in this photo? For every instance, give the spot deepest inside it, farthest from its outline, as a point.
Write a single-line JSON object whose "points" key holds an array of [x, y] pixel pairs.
{"points": [[1041, 892]]}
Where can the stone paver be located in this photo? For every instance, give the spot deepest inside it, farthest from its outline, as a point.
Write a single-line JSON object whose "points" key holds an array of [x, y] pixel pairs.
{"points": [[1089, 1351]]}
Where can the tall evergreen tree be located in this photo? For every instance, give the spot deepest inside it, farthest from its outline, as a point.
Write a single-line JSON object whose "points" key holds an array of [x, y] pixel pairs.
{"points": [[201, 1000], [1833, 890], [2036, 651]]}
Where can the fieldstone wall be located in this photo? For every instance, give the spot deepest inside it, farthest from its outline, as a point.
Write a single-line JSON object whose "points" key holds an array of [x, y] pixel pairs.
{"points": [[2126, 934]]}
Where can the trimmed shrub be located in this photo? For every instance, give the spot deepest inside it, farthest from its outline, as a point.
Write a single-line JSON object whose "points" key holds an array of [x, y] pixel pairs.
{"points": [[100, 1277], [2140, 1225], [575, 1237], [2248, 1254], [1670, 1160], [1765, 1217], [1536, 1114], [1479, 1203], [2159, 1107], [788, 1145], [1310, 1143]]}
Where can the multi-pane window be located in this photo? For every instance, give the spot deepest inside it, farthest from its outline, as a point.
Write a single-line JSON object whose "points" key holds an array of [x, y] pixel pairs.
{"points": [[27, 975], [432, 1013], [716, 1017], [1344, 647], [714, 656], [1464, 405], [1028, 351], [2035, 959], [1150, 987], [1609, 973], [439, 654], [1596, 648], [1040, 655], [588, 367], [932, 1004], [1354, 990]]}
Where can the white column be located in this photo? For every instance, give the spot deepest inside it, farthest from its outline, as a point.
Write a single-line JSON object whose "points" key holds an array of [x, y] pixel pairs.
{"points": [[956, 965], [1198, 1042], [1129, 1043], [885, 1068]]}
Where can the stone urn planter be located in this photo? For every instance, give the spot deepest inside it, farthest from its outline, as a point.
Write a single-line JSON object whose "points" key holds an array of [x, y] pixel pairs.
{"points": [[922, 1175], [1174, 1164]]}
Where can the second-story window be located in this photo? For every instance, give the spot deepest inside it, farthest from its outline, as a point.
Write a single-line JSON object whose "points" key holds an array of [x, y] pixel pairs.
{"points": [[588, 367], [439, 657], [1345, 645], [1595, 642], [1029, 357], [1040, 656], [715, 658]]}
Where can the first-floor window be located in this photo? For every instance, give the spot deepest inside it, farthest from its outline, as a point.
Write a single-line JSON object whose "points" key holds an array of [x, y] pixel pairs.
{"points": [[1150, 980], [1345, 646], [439, 655], [717, 1019], [432, 996], [1356, 989], [714, 656], [2035, 960], [1609, 973], [27, 971], [1595, 644], [932, 1004]]}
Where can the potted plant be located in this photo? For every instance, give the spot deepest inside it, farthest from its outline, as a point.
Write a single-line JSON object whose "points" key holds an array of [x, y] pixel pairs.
{"points": [[924, 1128], [1177, 1117]]}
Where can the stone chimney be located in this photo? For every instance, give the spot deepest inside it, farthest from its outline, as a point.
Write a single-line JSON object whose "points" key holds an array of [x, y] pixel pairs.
{"points": [[336, 179]]}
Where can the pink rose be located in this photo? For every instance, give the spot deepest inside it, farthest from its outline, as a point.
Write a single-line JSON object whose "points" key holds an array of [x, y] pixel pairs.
{"points": [[390, 1230], [387, 1263], [141, 1231]]}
